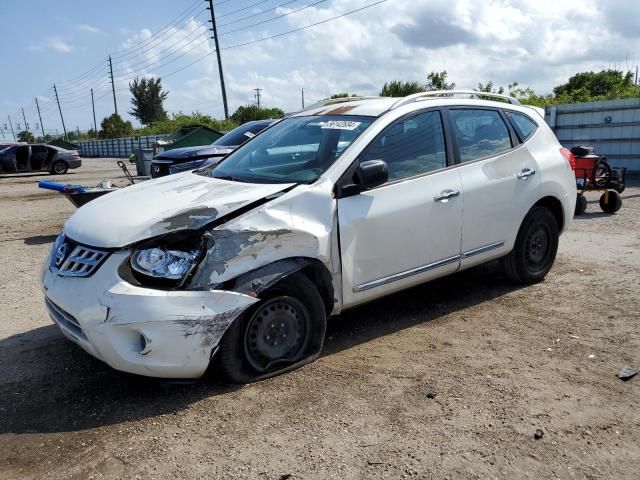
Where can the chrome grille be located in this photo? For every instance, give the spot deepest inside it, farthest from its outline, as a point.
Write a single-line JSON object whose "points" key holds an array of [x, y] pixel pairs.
{"points": [[81, 262], [64, 319]]}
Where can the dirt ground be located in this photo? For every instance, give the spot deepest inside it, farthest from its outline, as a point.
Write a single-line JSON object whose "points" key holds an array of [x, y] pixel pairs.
{"points": [[448, 380]]}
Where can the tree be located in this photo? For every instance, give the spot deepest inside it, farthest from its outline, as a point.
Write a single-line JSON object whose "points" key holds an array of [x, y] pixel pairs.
{"points": [[343, 95], [399, 88], [605, 85], [26, 136], [252, 112], [438, 81], [115, 127], [147, 98], [489, 88]]}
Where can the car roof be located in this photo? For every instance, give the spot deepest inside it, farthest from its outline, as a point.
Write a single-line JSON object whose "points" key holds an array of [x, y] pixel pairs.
{"points": [[376, 106]]}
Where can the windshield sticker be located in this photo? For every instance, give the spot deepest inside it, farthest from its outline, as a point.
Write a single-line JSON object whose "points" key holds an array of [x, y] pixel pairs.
{"points": [[249, 134], [340, 125]]}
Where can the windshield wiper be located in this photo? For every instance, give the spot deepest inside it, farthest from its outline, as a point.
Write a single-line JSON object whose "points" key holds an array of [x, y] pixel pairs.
{"points": [[230, 178]]}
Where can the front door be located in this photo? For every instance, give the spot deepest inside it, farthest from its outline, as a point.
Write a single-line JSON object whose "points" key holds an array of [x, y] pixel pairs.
{"points": [[408, 230]]}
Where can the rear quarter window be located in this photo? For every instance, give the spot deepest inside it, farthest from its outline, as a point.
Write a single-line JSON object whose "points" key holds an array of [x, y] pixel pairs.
{"points": [[523, 125]]}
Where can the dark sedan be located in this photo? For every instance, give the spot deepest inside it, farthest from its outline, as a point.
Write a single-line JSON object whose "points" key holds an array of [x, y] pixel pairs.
{"points": [[38, 158], [190, 158]]}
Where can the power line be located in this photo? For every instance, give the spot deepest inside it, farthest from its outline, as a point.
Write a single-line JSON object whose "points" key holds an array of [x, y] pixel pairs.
{"points": [[193, 6], [257, 14], [200, 30], [276, 36], [274, 18], [243, 9], [150, 46]]}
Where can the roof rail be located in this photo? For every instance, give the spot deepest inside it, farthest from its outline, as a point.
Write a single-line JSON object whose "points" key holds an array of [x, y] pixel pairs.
{"points": [[331, 101], [450, 93]]}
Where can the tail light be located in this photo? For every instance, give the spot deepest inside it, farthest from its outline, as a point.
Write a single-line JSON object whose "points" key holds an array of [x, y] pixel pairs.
{"points": [[569, 157]]}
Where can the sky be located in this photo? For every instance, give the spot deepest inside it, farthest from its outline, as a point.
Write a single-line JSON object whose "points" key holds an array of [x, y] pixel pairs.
{"points": [[539, 44]]}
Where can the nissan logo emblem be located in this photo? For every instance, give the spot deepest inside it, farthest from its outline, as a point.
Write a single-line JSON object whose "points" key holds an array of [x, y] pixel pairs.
{"points": [[61, 254]]}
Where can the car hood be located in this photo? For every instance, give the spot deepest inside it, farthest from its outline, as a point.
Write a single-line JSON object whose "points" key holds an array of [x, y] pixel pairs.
{"points": [[156, 207], [189, 152]]}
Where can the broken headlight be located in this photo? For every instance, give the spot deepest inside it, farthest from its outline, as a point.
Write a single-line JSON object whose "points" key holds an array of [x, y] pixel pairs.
{"points": [[163, 262]]}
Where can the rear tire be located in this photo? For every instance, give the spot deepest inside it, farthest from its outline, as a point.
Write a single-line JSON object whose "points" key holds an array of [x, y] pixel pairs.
{"points": [[535, 248], [581, 205], [59, 167], [613, 204], [285, 328]]}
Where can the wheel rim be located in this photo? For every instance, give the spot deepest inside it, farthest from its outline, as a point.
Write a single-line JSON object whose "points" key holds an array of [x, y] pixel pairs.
{"points": [[276, 333], [537, 246], [58, 167]]}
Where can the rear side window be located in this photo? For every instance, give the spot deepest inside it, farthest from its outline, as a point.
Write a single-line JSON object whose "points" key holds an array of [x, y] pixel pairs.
{"points": [[411, 146], [522, 124], [479, 133]]}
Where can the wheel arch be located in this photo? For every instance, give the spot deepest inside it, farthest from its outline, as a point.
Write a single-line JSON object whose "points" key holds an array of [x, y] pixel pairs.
{"points": [[554, 205], [256, 281]]}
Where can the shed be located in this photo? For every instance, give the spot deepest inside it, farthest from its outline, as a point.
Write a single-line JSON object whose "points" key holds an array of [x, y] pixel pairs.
{"points": [[192, 136], [62, 143]]}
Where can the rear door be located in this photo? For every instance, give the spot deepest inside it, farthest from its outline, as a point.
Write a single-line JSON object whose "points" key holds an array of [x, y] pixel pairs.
{"points": [[500, 180], [408, 230]]}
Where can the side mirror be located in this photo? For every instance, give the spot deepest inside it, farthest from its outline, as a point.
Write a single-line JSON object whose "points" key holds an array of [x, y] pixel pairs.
{"points": [[372, 173], [369, 174]]}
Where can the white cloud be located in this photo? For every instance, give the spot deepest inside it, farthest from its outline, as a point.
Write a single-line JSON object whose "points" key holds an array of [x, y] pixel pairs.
{"points": [[59, 45], [85, 27]]}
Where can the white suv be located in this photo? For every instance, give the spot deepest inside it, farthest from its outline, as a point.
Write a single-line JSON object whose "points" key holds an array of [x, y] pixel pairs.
{"points": [[240, 264]]}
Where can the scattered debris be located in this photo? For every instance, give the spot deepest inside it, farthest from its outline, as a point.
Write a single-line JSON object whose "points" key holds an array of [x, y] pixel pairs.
{"points": [[375, 461], [431, 395], [574, 337], [539, 434], [592, 356], [549, 349], [286, 476], [627, 373]]}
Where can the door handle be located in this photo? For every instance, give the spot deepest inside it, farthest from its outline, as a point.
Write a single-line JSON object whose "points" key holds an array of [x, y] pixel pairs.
{"points": [[445, 195], [526, 173]]}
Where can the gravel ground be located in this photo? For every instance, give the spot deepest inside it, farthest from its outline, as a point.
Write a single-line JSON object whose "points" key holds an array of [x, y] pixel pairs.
{"points": [[448, 380]]}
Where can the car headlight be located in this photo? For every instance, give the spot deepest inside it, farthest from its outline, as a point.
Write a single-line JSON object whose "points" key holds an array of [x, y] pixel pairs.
{"points": [[163, 262]]}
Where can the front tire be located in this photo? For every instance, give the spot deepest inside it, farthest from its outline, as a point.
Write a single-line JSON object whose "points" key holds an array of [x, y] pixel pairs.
{"points": [[284, 330], [59, 167], [535, 249]]}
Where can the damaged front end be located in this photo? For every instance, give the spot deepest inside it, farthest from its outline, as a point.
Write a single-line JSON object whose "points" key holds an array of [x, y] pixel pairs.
{"points": [[160, 306]]}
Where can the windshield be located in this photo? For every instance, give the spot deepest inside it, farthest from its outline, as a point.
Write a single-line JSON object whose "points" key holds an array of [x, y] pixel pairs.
{"points": [[295, 150], [239, 135]]}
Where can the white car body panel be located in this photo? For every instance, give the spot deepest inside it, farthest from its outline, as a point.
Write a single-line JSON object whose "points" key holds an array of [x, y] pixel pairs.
{"points": [[397, 235], [167, 204], [371, 244]]}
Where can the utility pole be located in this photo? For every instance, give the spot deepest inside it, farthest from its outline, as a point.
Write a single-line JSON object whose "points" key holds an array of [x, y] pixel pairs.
{"points": [[258, 90], [113, 85], [303, 98], [55, 90], [93, 106], [26, 124], [11, 125], [40, 117], [214, 29]]}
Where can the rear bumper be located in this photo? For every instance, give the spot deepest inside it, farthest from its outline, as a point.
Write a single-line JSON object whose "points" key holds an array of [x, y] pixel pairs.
{"points": [[74, 162], [169, 334]]}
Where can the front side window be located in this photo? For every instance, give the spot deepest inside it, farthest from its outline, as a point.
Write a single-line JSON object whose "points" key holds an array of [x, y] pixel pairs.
{"points": [[522, 124], [295, 150], [411, 146], [479, 133]]}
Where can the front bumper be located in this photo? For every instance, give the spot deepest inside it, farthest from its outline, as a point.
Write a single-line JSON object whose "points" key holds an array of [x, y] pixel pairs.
{"points": [[156, 333]]}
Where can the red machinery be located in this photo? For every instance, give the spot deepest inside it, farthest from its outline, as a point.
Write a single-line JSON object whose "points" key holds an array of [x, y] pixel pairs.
{"points": [[593, 173]]}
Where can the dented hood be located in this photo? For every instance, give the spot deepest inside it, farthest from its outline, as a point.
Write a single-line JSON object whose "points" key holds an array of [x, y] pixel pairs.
{"points": [[164, 205]]}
